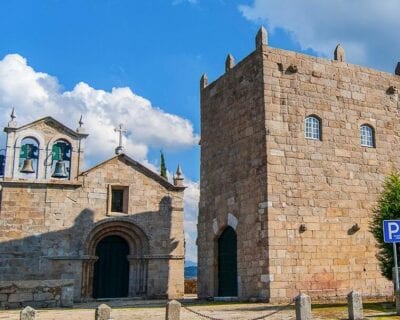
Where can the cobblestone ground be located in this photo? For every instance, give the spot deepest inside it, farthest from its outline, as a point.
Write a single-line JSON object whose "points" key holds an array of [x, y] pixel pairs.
{"points": [[155, 311]]}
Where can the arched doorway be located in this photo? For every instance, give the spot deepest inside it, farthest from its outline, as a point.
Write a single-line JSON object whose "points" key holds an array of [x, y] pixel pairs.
{"points": [[111, 270], [227, 263]]}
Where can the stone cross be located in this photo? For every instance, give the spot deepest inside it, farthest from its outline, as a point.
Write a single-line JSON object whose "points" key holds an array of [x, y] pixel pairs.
{"points": [[303, 307], [121, 131], [103, 312], [173, 310], [355, 306], [28, 314]]}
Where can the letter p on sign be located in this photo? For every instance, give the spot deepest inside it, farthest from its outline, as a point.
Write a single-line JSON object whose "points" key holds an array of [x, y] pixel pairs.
{"points": [[391, 231]]}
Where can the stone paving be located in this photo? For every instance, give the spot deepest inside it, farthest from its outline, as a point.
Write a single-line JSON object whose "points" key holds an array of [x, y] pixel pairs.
{"points": [[155, 310]]}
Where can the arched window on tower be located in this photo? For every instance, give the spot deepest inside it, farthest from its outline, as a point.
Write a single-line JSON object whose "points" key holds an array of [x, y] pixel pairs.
{"points": [[367, 136], [29, 158], [312, 128], [61, 160]]}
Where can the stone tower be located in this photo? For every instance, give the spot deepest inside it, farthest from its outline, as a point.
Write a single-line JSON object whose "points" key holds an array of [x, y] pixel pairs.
{"points": [[294, 150]]}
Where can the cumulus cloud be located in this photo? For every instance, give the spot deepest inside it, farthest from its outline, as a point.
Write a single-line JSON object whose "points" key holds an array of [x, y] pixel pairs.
{"points": [[191, 201], [366, 28], [36, 94]]}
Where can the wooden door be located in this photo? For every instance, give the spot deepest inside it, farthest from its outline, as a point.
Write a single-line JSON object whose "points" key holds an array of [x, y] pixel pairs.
{"points": [[111, 270], [227, 263]]}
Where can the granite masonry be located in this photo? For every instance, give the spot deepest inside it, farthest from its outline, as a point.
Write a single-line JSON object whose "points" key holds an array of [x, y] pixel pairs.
{"points": [[115, 230], [294, 150]]}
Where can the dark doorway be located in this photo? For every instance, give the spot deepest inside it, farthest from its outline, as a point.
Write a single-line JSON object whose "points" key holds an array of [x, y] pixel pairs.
{"points": [[111, 270], [227, 263]]}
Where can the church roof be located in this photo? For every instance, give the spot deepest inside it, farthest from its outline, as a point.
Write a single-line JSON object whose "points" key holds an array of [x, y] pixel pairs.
{"points": [[141, 168], [48, 120]]}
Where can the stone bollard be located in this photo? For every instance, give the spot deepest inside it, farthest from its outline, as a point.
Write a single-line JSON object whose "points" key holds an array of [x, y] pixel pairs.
{"points": [[397, 299], [28, 314], [303, 307], [355, 306], [103, 312], [173, 310]]}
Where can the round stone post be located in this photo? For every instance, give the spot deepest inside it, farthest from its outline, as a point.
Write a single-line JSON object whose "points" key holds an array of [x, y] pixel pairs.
{"points": [[103, 312], [355, 306], [303, 307], [28, 314], [173, 310]]}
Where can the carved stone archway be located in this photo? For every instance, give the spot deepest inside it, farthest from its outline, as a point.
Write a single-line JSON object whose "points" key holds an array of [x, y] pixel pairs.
{"points": [[138, 248]]}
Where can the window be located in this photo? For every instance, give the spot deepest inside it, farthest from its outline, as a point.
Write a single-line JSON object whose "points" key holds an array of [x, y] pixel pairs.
{"points": [[367, 136], [118, 199], [313, 128]]}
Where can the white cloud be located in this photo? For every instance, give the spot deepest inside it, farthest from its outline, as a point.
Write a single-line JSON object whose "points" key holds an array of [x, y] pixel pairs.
{"points": [[366, 28], [37, 94], [192, 194]]}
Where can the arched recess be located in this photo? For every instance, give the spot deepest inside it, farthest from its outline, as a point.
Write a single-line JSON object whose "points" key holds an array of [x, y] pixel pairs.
{"points": [[29, 134], [50, 159], [227, 277], [138, 249]]}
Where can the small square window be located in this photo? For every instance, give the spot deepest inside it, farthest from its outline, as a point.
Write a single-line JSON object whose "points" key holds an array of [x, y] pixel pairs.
{"points": [[118, 199]]}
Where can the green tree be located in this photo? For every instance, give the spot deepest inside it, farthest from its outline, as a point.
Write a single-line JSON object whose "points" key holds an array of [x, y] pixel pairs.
{"points": [[163, 170], [388, 208]]}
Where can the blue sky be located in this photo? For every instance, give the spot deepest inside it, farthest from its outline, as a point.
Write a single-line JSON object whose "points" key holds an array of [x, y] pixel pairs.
{"points": [[63, 57]]}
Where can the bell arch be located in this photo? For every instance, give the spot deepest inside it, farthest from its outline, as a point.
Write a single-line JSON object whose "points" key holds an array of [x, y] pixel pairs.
{"points": [[138, 249]]}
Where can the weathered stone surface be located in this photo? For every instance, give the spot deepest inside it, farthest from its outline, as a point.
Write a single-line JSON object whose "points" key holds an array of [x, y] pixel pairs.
{"points": [[49, 228], [355, 306], [173, 310], [28, 313], [253, 148], [303, 307], [103, 312], [339, 54]]}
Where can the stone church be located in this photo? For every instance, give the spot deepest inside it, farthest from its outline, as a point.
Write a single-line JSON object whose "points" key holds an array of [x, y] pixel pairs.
{"points": [[114, 230], [294, 150]]}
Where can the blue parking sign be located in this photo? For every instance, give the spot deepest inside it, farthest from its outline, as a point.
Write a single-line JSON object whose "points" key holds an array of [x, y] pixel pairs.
{"points": [[391, 231]]}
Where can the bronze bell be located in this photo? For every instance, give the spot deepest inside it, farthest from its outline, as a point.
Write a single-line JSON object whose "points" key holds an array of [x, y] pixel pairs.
{"points": [[60, 170], [28, 166]]}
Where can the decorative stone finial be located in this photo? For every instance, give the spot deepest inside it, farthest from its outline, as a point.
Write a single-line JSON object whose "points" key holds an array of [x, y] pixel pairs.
{"points": [[339, 54], [261, 38], [178, 177], [121, 131], [203, 81], [12, 123], [229, 62], [80, 129], [397, 71]]}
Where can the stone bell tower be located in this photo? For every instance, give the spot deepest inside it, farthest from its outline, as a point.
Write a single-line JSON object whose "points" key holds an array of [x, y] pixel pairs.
{"points": [[43, 150]]}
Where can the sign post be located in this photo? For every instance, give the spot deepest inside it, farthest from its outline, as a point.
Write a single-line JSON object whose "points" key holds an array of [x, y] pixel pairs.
{"points": [[391, 234]]}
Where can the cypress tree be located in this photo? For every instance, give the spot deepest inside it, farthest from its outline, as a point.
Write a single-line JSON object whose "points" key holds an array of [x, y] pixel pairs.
{"points": [[163, 170]]}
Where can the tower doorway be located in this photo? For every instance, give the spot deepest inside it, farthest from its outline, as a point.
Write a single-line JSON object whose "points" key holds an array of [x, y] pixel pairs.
{"points": [[227, 263], [111, 270]]}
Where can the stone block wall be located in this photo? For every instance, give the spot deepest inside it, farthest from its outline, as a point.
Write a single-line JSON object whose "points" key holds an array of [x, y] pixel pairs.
{"points": [[50, 229], [37, 294], [257, 165]]}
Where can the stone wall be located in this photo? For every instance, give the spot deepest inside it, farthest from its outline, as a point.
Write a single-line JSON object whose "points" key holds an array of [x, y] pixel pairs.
{"points": [[258, 166], [37, 294], [50, 229]]}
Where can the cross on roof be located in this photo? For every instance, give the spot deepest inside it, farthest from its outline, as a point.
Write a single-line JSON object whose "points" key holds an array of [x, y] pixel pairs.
{"points": [[120, 129]]}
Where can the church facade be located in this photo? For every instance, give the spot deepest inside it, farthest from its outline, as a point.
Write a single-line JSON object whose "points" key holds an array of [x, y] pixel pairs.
{"points": [[294, 150], [115, 230]]}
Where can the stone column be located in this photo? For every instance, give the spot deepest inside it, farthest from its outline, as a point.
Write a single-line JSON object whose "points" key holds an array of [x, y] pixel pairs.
{"points": [[355, 306], [397, 298], [173, 310], [103, 312], [303, 307], [28, 314]]}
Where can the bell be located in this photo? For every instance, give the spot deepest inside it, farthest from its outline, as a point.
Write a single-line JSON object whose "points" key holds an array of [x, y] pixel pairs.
{"points": [[28, 166], [60, 170]]}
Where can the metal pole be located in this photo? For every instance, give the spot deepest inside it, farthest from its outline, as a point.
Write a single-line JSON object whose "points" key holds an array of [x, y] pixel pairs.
{"points": [[396, 267]]}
